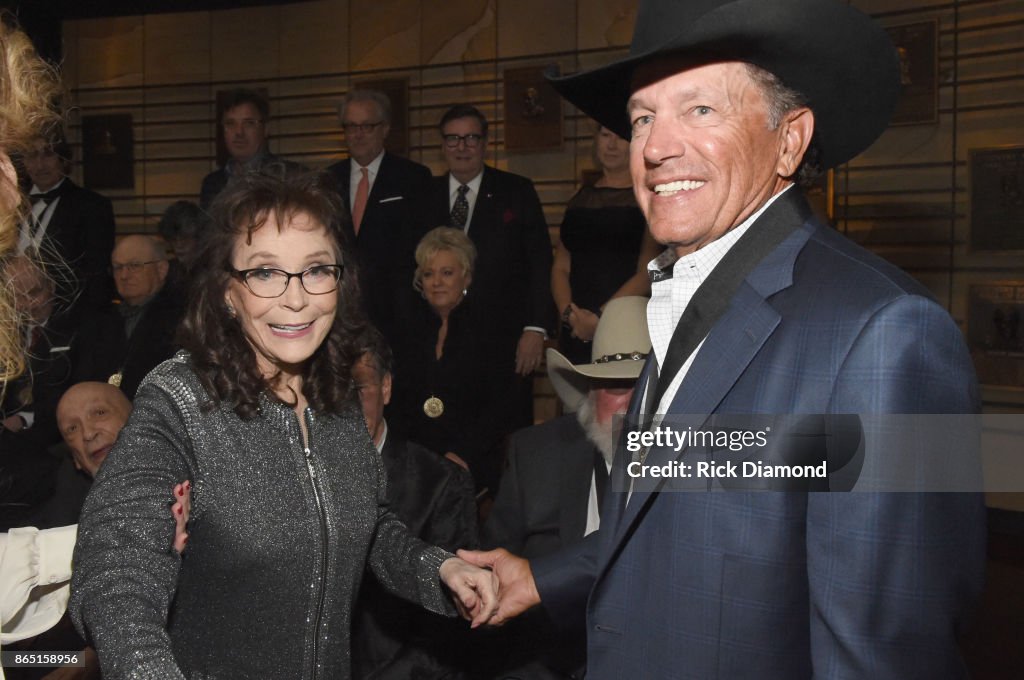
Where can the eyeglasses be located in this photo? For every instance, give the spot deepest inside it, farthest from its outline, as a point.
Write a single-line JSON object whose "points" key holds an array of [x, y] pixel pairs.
{"points": [[471, 140], [364, 128], [131, 267], [265, 282]]}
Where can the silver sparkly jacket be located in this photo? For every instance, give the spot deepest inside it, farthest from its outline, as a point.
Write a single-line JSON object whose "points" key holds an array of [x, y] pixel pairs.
{"points": [[278, 541]]}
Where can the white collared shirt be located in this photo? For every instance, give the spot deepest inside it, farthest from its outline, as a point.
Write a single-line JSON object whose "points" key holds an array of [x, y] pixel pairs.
{"points": [[383, 437], [33, 227], [474, 191], [355, 174], [670, 296]]}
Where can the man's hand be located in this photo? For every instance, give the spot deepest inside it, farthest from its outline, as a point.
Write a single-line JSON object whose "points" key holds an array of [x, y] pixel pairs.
{"points": [[13, 423], [180, 510], [583, 323], [475, 590], [528, 352], [517, 591], [457, 459]]}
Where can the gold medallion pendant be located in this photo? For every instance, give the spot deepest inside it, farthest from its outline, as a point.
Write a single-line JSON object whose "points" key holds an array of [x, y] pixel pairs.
{"points": [[433, 407], [115, 379]]}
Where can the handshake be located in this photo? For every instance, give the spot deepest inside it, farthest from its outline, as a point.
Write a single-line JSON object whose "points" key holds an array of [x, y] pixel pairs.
{"points": [[489, 588]]}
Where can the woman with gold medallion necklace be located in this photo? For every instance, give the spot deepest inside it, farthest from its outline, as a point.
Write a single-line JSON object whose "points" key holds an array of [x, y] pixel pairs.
{"points": [[450, 394]]}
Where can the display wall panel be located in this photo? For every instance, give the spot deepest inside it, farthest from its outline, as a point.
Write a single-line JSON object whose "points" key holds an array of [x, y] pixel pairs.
{"points": [[314, 37], [384, 34], [245, 43], [529, 27], [177, 47], [460, 31], [604, 23]]}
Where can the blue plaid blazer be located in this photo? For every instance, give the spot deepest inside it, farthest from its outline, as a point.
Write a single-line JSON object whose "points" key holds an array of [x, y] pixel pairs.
{"points": [[790, 585]]}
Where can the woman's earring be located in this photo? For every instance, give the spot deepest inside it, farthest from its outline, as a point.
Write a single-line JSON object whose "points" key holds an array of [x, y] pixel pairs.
{"points": [[231, 311], [465, 292]]}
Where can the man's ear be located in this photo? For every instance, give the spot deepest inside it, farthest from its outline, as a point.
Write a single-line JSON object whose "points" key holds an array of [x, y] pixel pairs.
{"points": [[797, 128], [385, 388]]}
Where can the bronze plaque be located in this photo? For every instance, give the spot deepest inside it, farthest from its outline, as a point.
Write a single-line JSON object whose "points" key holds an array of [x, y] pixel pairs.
{"points": [[918, 48], [108, 151], [533, 111], [997, 198], [995, 332]]}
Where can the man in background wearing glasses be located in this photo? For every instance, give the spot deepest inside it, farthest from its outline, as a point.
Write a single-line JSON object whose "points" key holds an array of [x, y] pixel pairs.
{"points": [[384, 194], [244, 122], [123, 342], [501, 213]]}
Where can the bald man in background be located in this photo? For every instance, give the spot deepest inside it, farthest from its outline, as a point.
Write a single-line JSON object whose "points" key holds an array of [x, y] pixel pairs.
{"points": [[123, 342]]}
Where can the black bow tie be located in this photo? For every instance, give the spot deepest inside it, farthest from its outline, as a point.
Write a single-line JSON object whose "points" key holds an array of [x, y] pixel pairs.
{"points": [[48, 197]]}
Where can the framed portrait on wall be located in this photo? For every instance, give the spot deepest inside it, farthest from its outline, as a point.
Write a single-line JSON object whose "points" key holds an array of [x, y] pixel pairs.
{"points": [[995, 332], [108, 151], [397, 91], [997, 197], [222, 98], [533, 111], [918, 48]]}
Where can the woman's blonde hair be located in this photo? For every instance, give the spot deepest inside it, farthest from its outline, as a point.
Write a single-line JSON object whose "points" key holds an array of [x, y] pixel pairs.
{"points": [[443, 238], [29, 91]]}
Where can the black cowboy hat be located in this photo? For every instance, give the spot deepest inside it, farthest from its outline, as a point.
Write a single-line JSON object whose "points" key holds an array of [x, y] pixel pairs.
{"points": [[835, 56]]}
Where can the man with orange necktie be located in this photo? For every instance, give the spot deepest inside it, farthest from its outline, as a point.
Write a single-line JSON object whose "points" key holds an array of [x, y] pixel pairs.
{"points": [[384, 195]]}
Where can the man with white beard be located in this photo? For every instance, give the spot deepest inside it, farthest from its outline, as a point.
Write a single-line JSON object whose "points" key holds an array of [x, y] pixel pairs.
{"points": [[556, 472]]}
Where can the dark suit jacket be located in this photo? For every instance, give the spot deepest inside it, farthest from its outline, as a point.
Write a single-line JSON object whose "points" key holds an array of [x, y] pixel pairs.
{"points": [[217, 181], [392, 225], [473, 385], [541, 507], [542, 501], [27, 465], [81, 233], [392, 638], [512, 276], [791, 585], [102, 348]]}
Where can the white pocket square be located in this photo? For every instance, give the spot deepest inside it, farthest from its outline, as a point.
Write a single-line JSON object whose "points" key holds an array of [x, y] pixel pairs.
{"points": [[393, 198]]}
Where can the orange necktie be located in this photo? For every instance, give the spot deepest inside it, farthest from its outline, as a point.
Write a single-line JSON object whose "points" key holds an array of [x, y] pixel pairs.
{"points": [[359, 205]]}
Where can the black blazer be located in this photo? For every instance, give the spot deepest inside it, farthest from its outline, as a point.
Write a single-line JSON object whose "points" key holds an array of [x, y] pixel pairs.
{"points": [[392, 226], [102, 348], [541, 508], [217, 181], [542, 502], [391, 638], [81, 233], [470, 379], [513, 266]]}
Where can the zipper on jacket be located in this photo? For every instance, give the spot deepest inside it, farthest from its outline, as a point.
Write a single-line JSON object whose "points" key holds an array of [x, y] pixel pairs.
{"points": [[321, 513]]}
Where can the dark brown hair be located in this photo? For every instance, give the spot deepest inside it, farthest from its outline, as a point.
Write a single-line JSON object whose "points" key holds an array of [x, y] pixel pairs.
{"points": [[221, 354]]}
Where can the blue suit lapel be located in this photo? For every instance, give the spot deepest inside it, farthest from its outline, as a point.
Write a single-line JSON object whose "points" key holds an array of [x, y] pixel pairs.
{"points": [[720, 362]]}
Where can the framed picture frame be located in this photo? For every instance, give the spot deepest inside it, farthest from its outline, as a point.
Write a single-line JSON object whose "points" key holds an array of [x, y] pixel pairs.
{"points": [[996, 190], [397, 91], [533, 111], [995, 332], [108, 151], [918, 47]]}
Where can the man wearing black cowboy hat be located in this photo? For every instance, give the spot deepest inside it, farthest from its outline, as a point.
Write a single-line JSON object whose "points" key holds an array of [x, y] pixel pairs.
{"points": [[758, 308]]}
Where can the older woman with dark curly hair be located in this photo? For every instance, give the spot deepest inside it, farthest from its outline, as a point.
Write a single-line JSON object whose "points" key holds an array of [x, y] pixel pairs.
{"points": [[288, 504]]}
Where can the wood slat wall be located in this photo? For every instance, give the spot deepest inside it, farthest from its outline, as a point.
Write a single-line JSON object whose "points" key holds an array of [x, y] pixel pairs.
{"points": [[906, 197]]}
